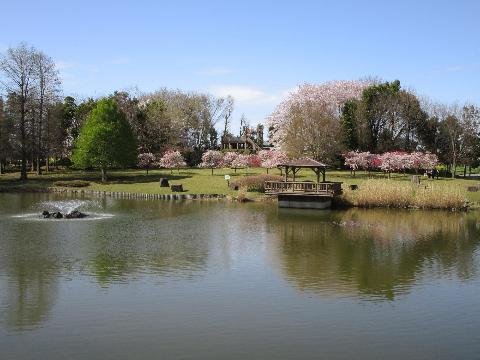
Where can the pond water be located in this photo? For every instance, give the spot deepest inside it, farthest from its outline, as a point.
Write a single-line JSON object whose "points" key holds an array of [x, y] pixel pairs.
{"points": [[217, 280]]}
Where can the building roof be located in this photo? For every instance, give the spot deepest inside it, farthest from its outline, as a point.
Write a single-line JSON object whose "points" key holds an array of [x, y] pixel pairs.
{"points": [[232, 139], [303, 163]]}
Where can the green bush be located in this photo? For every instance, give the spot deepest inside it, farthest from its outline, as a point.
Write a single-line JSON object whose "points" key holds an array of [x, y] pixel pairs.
{"points": [[72, 183]]}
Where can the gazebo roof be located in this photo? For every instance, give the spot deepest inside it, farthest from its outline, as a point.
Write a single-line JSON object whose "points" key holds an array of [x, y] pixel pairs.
{"points": [[305, 162]]}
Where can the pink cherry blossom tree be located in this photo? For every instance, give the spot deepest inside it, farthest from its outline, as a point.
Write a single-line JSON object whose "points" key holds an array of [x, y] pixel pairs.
{"points": [[254, 160], [330, 96], [171, 160], [360, 160], [212, 159], [241, 162], [228, 159], [272, 158], [146, 160]]}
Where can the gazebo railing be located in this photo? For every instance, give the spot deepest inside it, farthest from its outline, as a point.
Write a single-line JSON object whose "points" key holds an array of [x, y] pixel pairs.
{"points": [[330, 188]]}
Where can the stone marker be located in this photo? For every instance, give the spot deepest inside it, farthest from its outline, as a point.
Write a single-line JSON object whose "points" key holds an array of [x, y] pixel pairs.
{"points": [[164, 182], [177, 188]]}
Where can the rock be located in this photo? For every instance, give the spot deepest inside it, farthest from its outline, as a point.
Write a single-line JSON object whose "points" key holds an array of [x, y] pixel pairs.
{"points": [[353, 187], [176, 188], [75, 214], [46, 214], [164, 182], [57, 215]]}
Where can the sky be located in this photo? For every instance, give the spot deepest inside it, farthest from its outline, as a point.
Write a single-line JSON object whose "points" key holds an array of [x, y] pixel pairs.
{"points": [[256, 51]]}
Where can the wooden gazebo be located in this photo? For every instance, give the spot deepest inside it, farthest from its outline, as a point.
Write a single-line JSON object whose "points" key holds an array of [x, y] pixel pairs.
{"points": [[294, 166]]}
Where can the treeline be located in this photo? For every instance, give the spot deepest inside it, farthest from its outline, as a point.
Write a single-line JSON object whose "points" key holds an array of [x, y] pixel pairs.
{"points": [[39, 128], [324, 121]]}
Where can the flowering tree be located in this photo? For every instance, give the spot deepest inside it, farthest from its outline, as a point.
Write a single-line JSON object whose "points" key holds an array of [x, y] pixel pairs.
{"points": [[172, 159], [228, 158], [390, 161], [272, 158], [242, 161], [254, 161], [329, 97], [212, 159], [145, 160], [359, 160], [425, 161], [429, 161]]}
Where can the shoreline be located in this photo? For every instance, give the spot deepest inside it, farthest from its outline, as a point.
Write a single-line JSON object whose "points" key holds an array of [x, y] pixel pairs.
{"points": [[339, 205]]}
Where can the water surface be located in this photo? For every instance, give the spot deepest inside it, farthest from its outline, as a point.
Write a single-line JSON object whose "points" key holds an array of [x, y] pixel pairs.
{"points": [[216, 280]]}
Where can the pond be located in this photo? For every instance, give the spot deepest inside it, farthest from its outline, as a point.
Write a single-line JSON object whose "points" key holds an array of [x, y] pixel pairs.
{"points": [[141, 279]]}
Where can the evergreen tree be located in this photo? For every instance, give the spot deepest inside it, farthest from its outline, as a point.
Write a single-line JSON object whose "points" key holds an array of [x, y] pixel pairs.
{"points": [[349, 124], [106, 139]]}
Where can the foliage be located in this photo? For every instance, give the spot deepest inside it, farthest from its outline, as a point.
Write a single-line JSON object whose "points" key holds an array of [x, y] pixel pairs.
{"points": [[229, 158], [254, 183], [328, 97], [390, 161], [212, 159], [172, 159], [145, 160], [72, 183], [242, 161], [272, 158], [349, 124], [106, 139]]}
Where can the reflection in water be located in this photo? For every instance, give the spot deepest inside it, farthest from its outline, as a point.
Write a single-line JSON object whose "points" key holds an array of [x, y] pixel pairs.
{"points": [[375, 253], [29, 286]]}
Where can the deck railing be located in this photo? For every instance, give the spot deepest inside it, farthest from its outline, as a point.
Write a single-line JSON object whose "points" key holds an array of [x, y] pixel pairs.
{"points": [[327, 188]]}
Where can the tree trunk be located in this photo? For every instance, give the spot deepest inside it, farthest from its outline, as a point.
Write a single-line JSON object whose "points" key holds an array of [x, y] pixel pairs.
{"points": [[104, 175], [47, 160], [464, 171], [212, 171]]}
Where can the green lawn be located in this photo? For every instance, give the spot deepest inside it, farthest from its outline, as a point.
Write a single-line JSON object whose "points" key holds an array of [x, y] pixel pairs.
{"points": [[198, 181]]}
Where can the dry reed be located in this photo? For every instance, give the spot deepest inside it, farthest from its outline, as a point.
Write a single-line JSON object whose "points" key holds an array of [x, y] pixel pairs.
{"points": [[388, 193]]}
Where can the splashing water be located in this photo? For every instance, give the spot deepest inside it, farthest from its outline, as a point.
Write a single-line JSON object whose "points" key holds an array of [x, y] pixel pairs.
{"points": [[67, 207]]}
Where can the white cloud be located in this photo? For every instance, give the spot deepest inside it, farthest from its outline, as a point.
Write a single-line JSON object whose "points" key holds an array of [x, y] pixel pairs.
{"points": [[215, 71], [245, 94]]}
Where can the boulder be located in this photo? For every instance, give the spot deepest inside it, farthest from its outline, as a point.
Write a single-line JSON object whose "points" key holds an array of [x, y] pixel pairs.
{"points": [[46, 214], [164, 182], [57, 215], [177, 188], [75, 214]]}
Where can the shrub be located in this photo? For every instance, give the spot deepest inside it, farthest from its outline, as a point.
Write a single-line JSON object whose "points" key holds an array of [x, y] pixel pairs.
{"points": [[72, 183], [254, 183]]}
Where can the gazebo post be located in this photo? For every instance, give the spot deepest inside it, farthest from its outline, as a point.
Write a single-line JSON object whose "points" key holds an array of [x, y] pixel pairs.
{"points": [[286, 173], [323, 175]]}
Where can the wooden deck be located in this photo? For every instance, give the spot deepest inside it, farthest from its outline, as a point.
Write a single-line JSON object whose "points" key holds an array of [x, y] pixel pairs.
{"points": [[305, 188]]}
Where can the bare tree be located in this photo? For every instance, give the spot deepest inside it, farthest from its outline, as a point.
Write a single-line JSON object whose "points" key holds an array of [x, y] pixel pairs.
{"points": [[18, 66], [47, 90]]}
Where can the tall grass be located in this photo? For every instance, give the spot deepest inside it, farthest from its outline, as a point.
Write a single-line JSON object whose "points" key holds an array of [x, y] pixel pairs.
{"points": [[387, 193]]}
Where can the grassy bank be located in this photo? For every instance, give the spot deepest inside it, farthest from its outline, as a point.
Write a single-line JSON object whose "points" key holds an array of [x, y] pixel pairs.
{"points": [[373, 190]]}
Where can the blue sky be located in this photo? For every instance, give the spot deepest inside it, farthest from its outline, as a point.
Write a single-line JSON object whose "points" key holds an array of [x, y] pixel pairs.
{"points": [[256, 51]]}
